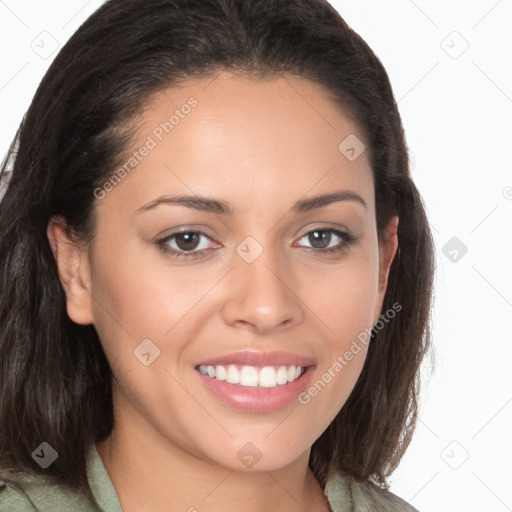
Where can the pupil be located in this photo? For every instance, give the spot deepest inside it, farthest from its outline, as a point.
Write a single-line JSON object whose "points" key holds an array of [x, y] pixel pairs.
{"points": [[320, 236], [190, 241]]}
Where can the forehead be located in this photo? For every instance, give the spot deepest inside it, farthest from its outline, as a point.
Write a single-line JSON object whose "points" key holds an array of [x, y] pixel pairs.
{"points": [[243, 138]]}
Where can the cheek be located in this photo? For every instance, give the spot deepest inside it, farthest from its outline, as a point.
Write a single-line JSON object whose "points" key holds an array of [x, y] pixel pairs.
{"points": [[134, 287], [345, 298], [136, 297]]}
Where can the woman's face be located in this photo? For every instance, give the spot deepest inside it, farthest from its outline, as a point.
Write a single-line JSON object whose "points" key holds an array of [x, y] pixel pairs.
{"points": [[246, 290]]}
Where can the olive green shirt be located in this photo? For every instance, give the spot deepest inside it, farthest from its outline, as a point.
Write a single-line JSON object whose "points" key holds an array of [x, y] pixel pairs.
{"points": [[35, 494]]}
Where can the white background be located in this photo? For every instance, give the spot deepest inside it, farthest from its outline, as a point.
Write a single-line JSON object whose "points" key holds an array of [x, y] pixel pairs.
{"points": [[456, 105]]}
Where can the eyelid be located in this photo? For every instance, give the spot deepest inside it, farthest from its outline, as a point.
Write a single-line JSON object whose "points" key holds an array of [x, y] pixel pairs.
{"points": [[325, 227]]}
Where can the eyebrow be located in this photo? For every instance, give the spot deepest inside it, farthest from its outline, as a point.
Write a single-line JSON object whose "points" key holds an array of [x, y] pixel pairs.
{"points": [[214, 206]]}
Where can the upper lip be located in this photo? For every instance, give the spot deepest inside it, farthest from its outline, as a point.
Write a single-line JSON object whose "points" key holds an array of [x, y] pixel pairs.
{"points": [[248, 358]]}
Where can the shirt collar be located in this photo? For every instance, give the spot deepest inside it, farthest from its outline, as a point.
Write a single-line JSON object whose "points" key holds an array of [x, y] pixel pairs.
{"points": [[101, 486]]}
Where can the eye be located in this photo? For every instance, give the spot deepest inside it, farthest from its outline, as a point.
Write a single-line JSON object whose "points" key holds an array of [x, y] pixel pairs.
{"points": [[328, 240], [185, 244], [194, 244]]}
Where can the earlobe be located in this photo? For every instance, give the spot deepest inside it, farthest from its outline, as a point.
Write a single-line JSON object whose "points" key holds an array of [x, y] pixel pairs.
{"points": [[387, 251], [73, 269]]}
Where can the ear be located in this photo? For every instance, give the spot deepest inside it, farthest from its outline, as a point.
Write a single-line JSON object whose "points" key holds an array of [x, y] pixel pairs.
{"points": [[387, 251], [74, 271]]}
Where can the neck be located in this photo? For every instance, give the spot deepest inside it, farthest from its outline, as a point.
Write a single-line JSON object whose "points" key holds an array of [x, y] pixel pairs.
{"points": [[152, 473]]}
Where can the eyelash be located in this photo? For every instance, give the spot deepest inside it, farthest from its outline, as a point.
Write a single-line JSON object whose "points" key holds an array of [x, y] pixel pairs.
{"points": [[347, 238]]}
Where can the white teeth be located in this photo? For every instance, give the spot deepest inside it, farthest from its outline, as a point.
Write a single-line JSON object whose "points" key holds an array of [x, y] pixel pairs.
{"points": [[251, 376], [282, 375], [268, 377], [233, 375], [221, 373]]}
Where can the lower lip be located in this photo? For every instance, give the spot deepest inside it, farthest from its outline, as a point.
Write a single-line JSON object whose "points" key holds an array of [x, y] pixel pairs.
{"points": [[257, 399]]}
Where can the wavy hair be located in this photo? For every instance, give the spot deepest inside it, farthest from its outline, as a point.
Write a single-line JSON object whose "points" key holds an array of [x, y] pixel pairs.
{"points": [[55, 380]]}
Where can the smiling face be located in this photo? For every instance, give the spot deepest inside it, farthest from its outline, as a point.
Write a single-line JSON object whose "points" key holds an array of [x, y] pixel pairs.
{"points": [[245, 291]]}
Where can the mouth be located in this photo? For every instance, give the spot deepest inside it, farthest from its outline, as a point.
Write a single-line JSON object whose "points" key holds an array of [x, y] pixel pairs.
{"points": [[256, 382]]}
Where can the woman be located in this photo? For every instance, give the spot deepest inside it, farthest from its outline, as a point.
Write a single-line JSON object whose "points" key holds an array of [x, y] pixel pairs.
{"points": [[216, 270]]}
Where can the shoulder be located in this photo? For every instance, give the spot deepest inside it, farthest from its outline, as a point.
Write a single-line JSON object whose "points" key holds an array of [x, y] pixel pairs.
{"points": [[13, 499], [36, 494], [345, 493]]}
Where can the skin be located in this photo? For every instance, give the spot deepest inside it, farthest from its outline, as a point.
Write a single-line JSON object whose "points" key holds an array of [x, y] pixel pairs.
{"points": [[261, 146]]}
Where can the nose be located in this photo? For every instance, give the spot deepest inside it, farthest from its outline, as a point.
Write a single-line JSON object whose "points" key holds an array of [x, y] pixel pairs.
{"points": [[262, 295]]}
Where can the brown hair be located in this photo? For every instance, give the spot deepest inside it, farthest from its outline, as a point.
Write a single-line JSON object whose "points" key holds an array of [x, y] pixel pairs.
{"points": [[54, 378]]}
